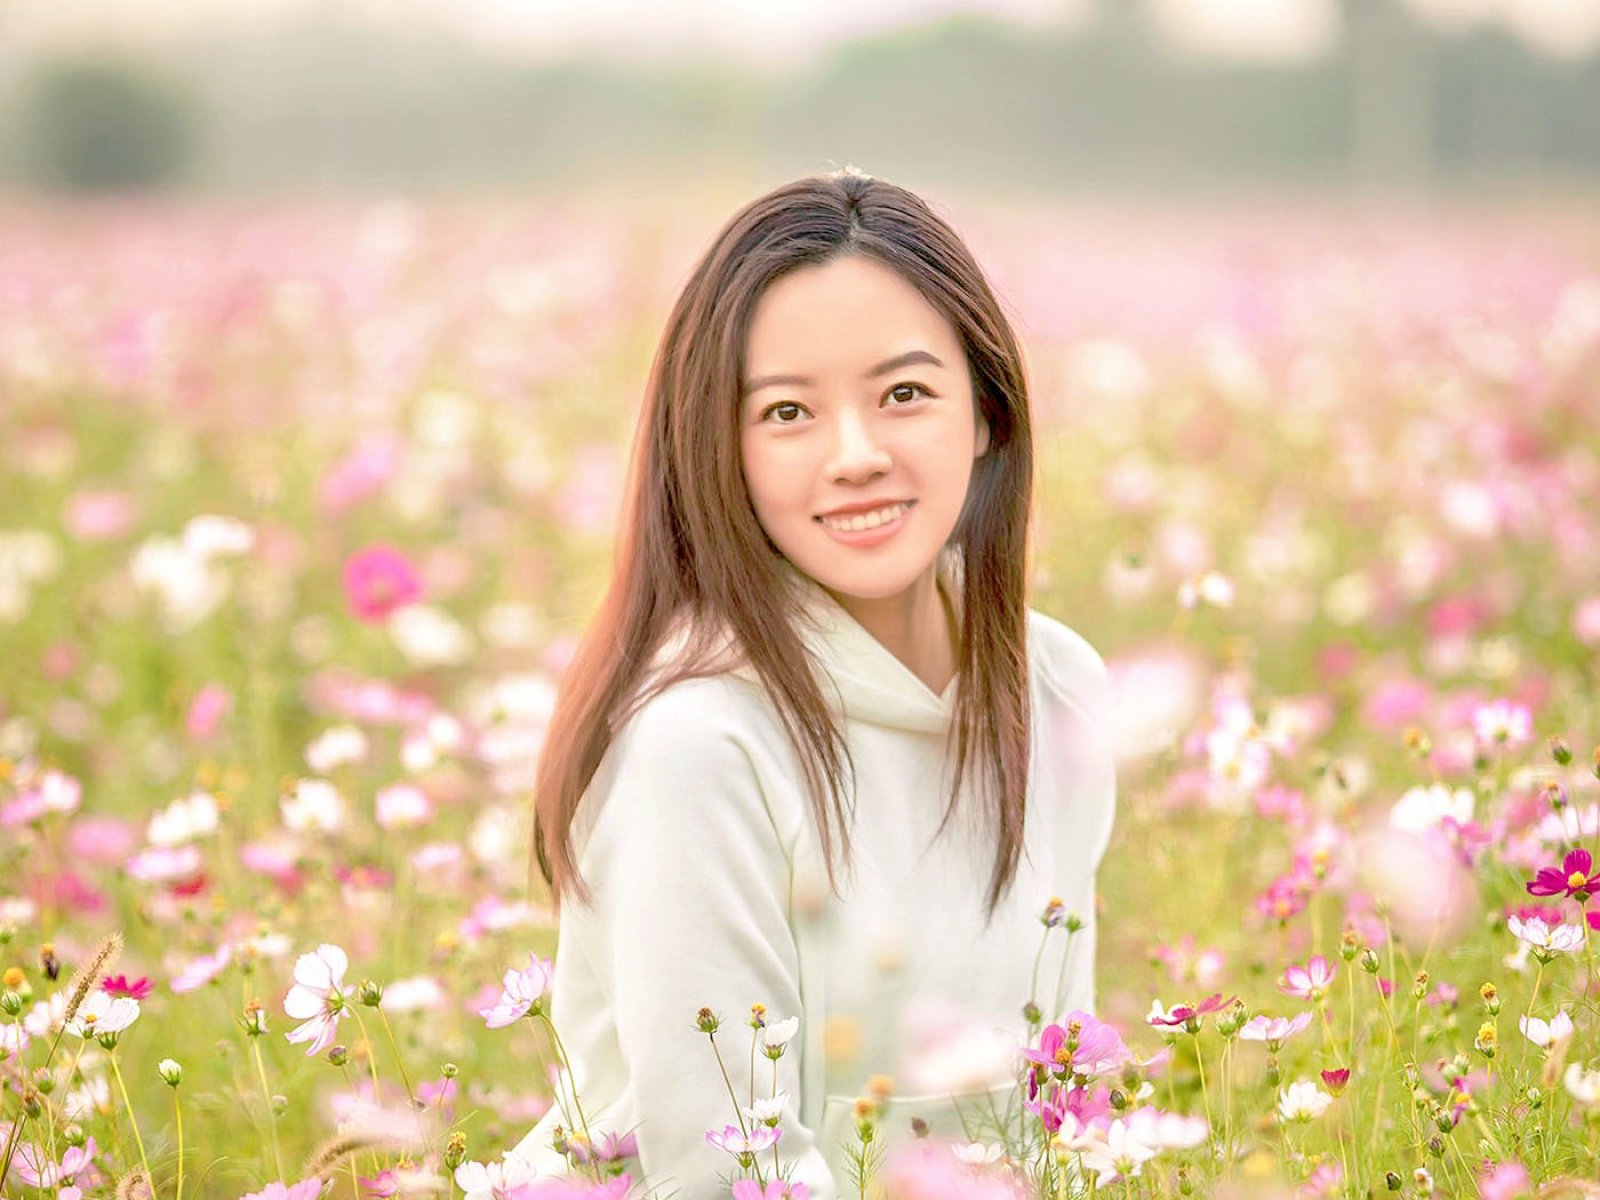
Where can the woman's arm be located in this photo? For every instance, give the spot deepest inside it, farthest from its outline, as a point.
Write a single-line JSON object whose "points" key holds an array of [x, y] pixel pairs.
{"points": [[691, 911]]}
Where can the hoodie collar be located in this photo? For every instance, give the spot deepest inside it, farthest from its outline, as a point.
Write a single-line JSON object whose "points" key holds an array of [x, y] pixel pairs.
{"points": [[869, 683]]}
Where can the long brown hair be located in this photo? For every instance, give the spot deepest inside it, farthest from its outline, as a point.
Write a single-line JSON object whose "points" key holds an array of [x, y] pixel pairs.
{"points": [[689, 546]]}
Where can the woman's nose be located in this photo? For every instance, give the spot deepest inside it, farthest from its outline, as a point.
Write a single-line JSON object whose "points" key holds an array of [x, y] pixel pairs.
{"points": [[856, 451]]}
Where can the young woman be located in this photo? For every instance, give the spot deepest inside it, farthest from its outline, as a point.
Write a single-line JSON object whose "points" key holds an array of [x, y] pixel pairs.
{"points": [[817, 609]]}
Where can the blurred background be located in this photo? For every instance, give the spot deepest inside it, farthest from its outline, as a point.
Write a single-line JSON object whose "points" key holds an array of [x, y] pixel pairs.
{"points": [[1078, 95], [323, 329]]}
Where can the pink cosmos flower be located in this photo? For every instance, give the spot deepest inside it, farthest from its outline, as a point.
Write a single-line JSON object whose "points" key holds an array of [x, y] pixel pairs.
{"points": [[927, 1169], [1502, 723], [1504, 1181], [210, 704], [198, 972], [379, 580], [1324, 1181], [1336, 1080], [520, 991], [1574, 877], [98, 516], [37, 1169], [611, 1147], [1310, 982], [738, 1143], [1083, 1045], [317, 997], [1187, 964], [579, 1189], [1274, 1031], [306, 1189], [1183, 1012], [370, 465]]}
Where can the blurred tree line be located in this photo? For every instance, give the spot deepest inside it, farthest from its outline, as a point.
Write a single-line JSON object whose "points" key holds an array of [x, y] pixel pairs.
{"points": [[962, 99]]}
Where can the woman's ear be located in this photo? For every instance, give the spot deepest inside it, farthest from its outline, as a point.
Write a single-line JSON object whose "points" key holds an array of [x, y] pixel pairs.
{"points": [[983, 434]]}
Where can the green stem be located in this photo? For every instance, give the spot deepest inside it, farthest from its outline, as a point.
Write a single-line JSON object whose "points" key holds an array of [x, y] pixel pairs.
{"points": [[177, 1112], [577, 1102], [132, 1120], [266, 1094], [398, 1060]]}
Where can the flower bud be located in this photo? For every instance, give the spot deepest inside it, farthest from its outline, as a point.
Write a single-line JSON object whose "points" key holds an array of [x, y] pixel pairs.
{"points": [[758, 1016], [8, 931], [1074, 922], [1535, 1097], [1555, 795], [1491, 998], [455, 1150], [1369, 961], [338, 1055], [919, 1127], [1119, 1099], [108, 1039], [31, 1104], [1560, 751], [1391, 1180], [707, 1021], [254, 1019], [449, 1070], [369, 993], [1409, 1073], [1487, 1039], [1055, 912], [44, 1080], [1031, 1013], [73, 1134], [1349, 945], [1442, 1120], [1419, 986], [1185, 1184], [559, 1141], [171, 1071], [10, 1003], [1422, 1177], [1273, 1074]]}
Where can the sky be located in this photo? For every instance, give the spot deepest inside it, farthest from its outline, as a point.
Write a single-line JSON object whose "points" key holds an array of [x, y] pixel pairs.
{"points": [[780, 31]]}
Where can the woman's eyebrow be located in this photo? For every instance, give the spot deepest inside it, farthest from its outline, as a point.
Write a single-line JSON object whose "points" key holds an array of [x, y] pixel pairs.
{"points": [[909, 358]]}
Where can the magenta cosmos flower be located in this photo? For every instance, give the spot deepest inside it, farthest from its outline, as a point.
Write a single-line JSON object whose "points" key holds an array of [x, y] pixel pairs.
{"points": [[378, 580], [1574, 877], [1082, 1046], [1310, 982], [1181, 1014]]}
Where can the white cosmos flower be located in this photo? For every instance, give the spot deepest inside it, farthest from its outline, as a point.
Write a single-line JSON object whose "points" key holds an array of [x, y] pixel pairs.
{"points": [[977, 1154], [210, 536], [495, 1181], [102, 1012], [1423, 808], [1563, 939], [776, 1035], [336, 747], [315, 804], [768, 1111], [1120, 1155], [1546, 1034], [1583, 1085], [184, 820], [1303, 1100]]}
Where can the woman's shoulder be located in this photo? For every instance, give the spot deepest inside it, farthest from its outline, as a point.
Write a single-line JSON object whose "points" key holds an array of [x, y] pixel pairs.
{"points": [[1067, 662]]}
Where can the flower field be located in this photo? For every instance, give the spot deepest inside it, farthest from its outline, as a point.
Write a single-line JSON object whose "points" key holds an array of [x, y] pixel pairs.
{"points": [[302, 504]]}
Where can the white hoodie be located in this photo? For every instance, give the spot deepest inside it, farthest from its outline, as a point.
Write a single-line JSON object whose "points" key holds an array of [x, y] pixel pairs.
{"points": [[697, 838]]}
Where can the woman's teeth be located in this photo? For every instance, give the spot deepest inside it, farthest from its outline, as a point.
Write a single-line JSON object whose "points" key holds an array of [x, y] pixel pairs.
{"points": [[860, 521]]}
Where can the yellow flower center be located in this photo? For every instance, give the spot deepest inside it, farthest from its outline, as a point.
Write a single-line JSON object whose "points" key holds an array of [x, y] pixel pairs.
{"points": [[1577, 880]]}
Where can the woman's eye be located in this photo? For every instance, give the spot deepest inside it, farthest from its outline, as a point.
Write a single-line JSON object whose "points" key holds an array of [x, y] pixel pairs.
{"points": [[908, 387], [782, 405]]}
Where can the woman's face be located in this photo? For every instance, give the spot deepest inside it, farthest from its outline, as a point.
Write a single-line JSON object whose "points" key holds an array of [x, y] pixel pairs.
{"points": [[856, 391]]}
